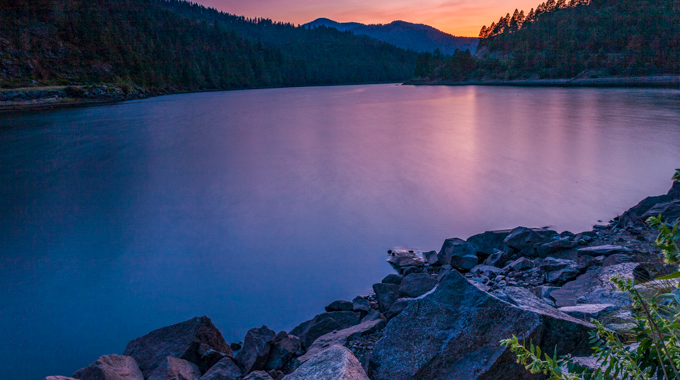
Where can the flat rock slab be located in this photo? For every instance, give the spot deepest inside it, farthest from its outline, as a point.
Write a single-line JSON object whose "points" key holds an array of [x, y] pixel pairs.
{"points": [[111, 367], [588, 311], [603, 250], [455, 333], [180, 341], [335, 363], [341, 337], [176, 369]]}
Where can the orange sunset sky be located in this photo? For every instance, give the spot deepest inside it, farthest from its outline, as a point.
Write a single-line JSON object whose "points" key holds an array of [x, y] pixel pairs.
{"points": [[457, 17]]}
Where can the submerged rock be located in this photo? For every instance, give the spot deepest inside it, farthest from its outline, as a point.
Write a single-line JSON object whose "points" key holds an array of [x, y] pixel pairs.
{"points": [[177, 341], [111, 367], [455, 333]]}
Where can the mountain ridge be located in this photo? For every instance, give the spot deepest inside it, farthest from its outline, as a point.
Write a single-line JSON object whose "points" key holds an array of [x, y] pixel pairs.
{"points": [[406, 35]]}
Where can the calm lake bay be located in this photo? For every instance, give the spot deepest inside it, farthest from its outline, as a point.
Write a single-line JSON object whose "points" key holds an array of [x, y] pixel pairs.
{"points": [[263, 206]]}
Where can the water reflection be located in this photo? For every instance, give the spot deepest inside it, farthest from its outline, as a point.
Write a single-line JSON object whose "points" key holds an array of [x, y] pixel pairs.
{"points": [[259, 207]]}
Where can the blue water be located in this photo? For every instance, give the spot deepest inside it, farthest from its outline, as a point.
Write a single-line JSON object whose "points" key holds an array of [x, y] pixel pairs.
{"points": [[261, 207]]}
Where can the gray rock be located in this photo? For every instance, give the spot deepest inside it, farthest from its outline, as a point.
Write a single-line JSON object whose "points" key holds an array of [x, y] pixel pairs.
{"points": [[596, 287], [59, 378], [525, 240], [225, 369], [488, 242], [415, 285], [669, 211], [335, 363], [340, 305], [603, 250], [431, 257], [392, 279], [455, 333], [256, 346], [176, 369], [555, 246], [398, 307], [341, 337], [400, 260], [111, 367], [203, 356], [324, 323], [258, 375], [459, 254], [524, 299], [372, 316], [521, 264], [498, 259], [177, 341], [559, 271], [285, 347], [589, 311], [544, 292], [411, 270], [485, 270], [386, 295], [361, 304], [617, 258]]}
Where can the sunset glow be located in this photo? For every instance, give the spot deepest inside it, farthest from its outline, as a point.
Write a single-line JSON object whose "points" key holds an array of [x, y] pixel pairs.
{"points": [[457, 17]]}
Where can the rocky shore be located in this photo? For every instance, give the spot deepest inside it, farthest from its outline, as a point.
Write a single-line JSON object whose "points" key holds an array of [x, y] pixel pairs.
{"points": [[663, 81], [440, 316], [41, 98]]}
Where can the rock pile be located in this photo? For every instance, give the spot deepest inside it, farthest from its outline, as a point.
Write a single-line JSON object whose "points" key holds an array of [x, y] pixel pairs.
{"points": [[441, 316]]}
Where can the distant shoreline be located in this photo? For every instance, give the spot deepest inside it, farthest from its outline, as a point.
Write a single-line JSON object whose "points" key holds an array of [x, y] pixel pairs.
{"points": [[664, 81]]}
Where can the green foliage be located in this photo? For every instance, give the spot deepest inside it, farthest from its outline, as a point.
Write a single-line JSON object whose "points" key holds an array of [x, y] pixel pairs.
{"points": [[456, 67], [176, 44]]}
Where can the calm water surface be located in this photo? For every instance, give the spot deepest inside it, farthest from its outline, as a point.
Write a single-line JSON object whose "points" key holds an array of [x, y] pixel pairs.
{"points": [[260, 207]]}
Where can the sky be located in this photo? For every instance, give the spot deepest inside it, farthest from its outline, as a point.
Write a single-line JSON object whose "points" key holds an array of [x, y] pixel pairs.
{"points": [[457, 17]]}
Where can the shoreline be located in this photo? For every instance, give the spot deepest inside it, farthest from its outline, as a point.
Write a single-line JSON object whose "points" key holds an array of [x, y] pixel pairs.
{"points": [[442, 314], [662, 81]]}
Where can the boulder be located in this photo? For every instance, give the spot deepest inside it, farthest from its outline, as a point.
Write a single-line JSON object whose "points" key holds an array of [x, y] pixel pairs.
{"points": [[225, 369], [392, 279], [617, 258], [361, 304], [459, 254], [203, 356], [488, 242], [417, 284], [559, 271], [525, 240], [284, 349], [603, 250], [335, 363], [339, 306], [256, 346], [386, 295], [59, 378], [455, 333], [498, 259], [595, 287], [111, 367], [177, 341], [669, 211], [175, 369], [340, 337], [520, 264], [397, 307], [258, 375], [589, 311], [555, 246], [324, 323], [400, 260], [634, 216], [431, 257]]}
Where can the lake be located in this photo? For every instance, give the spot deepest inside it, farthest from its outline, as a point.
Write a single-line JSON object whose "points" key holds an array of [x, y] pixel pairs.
{"points": [[263, 206]]}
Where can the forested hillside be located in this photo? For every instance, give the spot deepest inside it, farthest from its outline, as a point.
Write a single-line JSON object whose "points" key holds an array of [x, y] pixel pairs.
{"points": [[173, 43], [561, 39]]}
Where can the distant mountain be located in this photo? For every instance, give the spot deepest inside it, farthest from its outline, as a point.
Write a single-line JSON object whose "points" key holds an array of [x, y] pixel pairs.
{"points": [[417, 37]]}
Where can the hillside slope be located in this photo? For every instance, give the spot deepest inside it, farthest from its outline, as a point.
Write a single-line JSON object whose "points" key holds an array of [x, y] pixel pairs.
{"points": [[174, 43]]}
